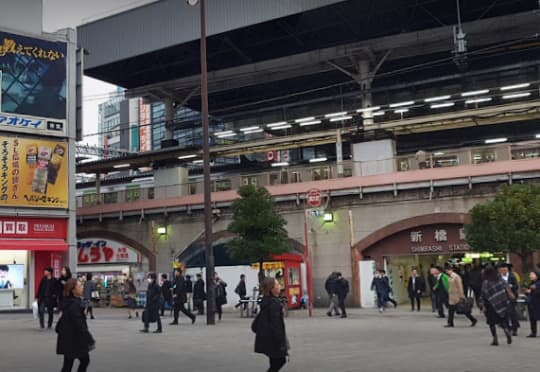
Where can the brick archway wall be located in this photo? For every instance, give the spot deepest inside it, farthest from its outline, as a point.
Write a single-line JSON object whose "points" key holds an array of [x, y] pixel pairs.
{"points": [[394, 228], [122, 239]]}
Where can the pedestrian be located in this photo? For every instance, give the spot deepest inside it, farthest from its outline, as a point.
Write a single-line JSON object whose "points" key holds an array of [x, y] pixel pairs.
{"points": [[432, 280], [180, 298], [330, 286], [495, 304], [153, 301], [74, 340], [513, 286], [189, 292], [382, 289], [47, 297], [440, 289], [475, 283], [65, 275], [130, 297], [241, 291], [91, 295], [199, 294], [269, 327], [342, 290], [533, 301], [166, 294], [455, 295], [221, 295], [390, 290], [416, 287]]}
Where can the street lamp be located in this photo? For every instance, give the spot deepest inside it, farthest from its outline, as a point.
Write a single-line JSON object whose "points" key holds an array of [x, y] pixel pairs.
{"points": [[210, 289]]}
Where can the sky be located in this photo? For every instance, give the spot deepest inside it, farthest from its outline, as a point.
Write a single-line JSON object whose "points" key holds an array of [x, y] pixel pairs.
{"points": [[58, 14]]}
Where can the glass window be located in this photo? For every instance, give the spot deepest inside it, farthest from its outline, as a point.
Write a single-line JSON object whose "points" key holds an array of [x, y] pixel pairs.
{"points": [[294, 276], [133, 193], [274, 178], [403, 165], [347, 172], [322, 173], [526, 153], [110, 197], [151, 193], [484, 156], [250, 180], [296, 177], [445, 161], [89, 199], [223, 185], [192, 188]]}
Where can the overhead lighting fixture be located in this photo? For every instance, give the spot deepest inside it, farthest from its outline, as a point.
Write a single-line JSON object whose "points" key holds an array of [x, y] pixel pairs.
{"points": [[303, 120], [401, 111], [475, 93], [441, 105], [496, 140], [227, 135], [439, 153], [286, 126], [278, 124], [367, 109], [378, 113], [516, 95], [328, 217], [282, 164], [318, 160], [162, 230], [515, 86], [306, 123], [187, 157], [435, 99], [537, 136], [401, 104], [197, 161], [478, 100], [120, 166], [223, 133], [335, 114], [341, 118], [259, 130], [249, 129]]}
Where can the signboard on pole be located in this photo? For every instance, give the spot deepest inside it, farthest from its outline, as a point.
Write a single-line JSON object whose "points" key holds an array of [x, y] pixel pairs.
{"points": [[314, 198]]}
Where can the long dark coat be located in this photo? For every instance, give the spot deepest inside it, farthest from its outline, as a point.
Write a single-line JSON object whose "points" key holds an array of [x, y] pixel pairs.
{"points": [[270, 338], [179, 290], [534, 300], [74, 339]]}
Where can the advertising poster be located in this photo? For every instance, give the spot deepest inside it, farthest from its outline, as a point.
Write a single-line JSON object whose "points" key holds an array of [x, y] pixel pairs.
{"points": [[33, 76], [104, 251], [33, 172], [12, 276]]}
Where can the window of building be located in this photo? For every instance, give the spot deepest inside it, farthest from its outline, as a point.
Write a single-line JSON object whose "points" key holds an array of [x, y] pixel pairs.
{"points": [[192, 188], [151, 193], [250, 180], [110, 197], [484, 156], [347, 172], [89, 199], [294, 276], [284, 177], [133, 193], [274, 178], [296, 177], [526, 153], [445, 161], [403, 165], [322, 173], [222, 185]]}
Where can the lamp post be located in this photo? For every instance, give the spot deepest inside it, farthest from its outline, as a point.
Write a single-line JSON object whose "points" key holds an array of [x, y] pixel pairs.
{"points": [[210, 288]]}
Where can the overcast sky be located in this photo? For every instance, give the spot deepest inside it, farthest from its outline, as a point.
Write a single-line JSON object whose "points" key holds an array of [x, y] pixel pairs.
{"points": [[59, 14]]}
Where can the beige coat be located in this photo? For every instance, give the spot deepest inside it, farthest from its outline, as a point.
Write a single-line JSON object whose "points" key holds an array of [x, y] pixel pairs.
{"points": [[455, 290]]}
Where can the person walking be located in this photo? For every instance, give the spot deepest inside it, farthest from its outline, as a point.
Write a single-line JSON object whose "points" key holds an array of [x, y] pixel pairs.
{"points": [[130, 296], [47, 297], [432, 280], [533, 302], [390, 290], [65, 275], [199, 294], [153, 301], [513, 286], [330, 286], [221, 295], [180, 298], [166, 293], [475, 283], [495, 304], [241, 291], [440, 289], [269, 327], [455, 295], [90, 295], [342, 290], [416, 287], [382, 290], [189, 292], [74, 339]]}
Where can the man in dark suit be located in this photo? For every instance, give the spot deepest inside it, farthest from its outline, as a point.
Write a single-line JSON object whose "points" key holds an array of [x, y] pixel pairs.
{"points": [[180, 298], [199, 294], [416, 287], [47, 297], [440, 289], [508, 276]]}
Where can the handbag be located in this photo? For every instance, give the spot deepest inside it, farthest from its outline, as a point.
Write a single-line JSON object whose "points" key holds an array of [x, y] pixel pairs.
{"points": [[94, 295], [464, 306]]}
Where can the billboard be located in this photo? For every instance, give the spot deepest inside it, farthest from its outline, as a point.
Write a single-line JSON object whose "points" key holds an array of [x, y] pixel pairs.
{"points": [[33, 172], [145, 129], [33, 84], [105, 251]]}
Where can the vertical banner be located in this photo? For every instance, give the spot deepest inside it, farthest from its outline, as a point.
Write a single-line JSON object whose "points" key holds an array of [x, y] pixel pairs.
{"points": [[56, 264], [145, 129]]}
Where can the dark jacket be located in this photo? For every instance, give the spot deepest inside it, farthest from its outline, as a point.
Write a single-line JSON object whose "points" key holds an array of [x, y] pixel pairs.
{"points": [[270, 337], [419, 284], [330, 284], [198, 290], [153, 298], [166, 290], [241, 289], [74, 339], [342, 288], [189, 285], [48, 292], [221, 293], [381, 286], [513, 283], [179, 290], [534, 300]]}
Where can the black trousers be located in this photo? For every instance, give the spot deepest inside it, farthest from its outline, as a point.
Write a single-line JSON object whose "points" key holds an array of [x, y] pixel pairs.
{"points": [[219, 309], [276, 364], [452, 312], [341, 303], [199, 306], [533, 321], [513, 317], [68, 363], [415, 298], [181, 307], [49, 307], [166, 301], [442, 300]]}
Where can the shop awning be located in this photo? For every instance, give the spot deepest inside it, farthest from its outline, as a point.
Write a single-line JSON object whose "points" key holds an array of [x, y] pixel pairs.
{"points": [[34, 244]]}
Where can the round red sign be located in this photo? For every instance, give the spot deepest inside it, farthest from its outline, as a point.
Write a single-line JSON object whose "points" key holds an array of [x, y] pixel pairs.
{"points": [[314, 198]]}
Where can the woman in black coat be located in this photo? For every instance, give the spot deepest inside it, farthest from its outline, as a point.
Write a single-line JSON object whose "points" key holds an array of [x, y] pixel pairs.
{"points": [[153, 303], [269, 327], [534, 302], [74, 339], [65, 275]]}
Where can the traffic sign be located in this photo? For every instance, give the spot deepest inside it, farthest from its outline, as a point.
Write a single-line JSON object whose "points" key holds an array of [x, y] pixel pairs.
{"points": [[314, 198]]}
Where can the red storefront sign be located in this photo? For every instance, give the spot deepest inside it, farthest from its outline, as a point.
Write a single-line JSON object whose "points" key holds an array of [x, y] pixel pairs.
{"points": [[99, 251], [33, 228]]}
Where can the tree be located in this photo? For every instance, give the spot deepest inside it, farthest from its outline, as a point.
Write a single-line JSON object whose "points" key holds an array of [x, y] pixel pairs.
{"points": [[510, 223], [260, 229]]}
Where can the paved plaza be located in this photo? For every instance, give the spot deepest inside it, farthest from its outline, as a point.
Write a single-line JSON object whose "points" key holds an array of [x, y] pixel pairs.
{"points": [[366, 341]]}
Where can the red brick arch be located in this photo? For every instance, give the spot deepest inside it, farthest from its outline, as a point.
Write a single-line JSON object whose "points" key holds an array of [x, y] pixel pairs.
{"points": [[122, 239]]}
